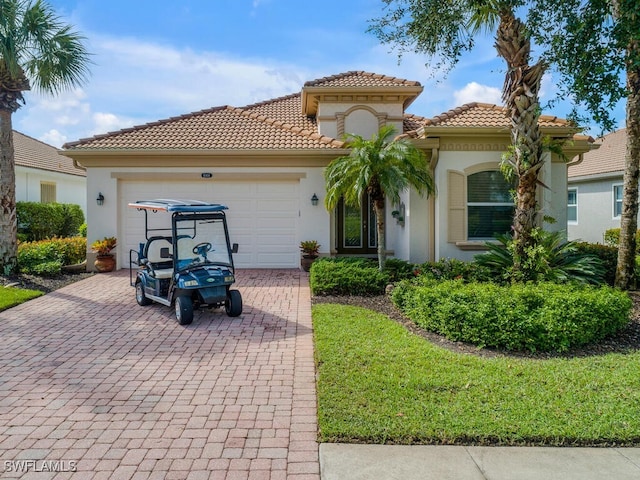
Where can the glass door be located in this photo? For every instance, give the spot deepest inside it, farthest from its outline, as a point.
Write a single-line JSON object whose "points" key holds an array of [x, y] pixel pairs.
{"points": [[357, 228]]}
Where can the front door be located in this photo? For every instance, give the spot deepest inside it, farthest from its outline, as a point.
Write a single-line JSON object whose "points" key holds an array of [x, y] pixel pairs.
{"points": [[357, 228]]}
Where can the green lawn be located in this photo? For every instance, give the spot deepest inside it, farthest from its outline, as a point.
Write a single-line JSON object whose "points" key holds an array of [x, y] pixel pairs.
{"points": [[10, 297], [378, 383]]}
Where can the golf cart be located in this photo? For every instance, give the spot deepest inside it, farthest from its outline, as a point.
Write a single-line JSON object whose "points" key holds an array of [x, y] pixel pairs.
{"points": [[188, 264]]}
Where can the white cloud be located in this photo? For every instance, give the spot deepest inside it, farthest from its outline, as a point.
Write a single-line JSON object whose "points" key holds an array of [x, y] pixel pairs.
{"points": [[53, 137], [474, 92], [108, 122]]}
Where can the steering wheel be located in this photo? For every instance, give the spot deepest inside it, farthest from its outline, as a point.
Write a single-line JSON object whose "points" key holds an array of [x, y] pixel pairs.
{"points": [[202, 248]]}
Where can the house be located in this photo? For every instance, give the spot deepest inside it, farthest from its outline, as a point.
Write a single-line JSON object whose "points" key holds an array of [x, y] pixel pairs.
{"points": [[43, 175], [266, 162], [594, 201]]}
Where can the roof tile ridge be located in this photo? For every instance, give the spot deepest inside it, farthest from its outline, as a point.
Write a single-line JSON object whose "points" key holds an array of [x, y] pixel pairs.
{"points": [[394, 79], [142, 126], [270, 101], [450, 113], [413, 116], [351, 73], [287, 127], [313, 83]]}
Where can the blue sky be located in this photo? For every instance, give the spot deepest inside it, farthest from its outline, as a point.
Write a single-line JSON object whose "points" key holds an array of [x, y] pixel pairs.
{"points": [[154, 59]]}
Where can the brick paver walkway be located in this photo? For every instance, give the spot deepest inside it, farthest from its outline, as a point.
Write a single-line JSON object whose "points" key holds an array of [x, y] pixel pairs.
{"points": [[93, 386]]}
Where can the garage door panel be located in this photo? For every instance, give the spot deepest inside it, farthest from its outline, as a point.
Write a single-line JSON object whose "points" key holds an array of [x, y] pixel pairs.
{"points": [[262, 217]]}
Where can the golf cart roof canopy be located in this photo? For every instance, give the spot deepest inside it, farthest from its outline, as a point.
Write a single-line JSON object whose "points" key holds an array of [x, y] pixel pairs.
{"points": [[169, 205]]}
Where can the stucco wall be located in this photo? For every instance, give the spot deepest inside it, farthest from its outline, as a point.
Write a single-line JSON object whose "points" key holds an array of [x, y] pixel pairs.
{"points": [[595, 210], [69, 188], [552, 200]]}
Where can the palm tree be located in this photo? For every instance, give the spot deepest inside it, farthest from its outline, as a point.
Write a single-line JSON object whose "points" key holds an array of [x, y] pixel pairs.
{"points": [[383, 167], [36, 48], [444, 30]]}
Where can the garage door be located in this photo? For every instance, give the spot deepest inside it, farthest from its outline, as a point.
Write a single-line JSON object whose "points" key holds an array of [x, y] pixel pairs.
{"points": [[262, 216]]}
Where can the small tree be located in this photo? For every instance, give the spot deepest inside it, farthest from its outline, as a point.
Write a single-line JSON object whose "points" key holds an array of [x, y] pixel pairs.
{"points": [[444, 30], [383, 167], [595, 46]]}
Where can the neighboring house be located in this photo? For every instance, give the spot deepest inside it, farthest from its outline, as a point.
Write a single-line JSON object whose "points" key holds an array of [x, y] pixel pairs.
{"points": [[594, 202], [266, 162], [43, 175]]}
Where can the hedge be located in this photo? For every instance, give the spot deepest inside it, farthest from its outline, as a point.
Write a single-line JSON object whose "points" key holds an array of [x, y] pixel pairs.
{"points": [[533, 317], [38, 221]]}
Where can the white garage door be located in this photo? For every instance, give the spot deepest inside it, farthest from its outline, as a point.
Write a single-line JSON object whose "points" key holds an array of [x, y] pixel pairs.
{"points": [[262, 216]]}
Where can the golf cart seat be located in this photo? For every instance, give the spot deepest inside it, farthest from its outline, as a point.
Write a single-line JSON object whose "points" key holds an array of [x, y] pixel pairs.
{"points": [[158, 267]]}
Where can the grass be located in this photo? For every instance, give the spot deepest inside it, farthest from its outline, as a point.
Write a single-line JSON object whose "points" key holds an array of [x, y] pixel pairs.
{"points": [[10, 297], [378, 383]]}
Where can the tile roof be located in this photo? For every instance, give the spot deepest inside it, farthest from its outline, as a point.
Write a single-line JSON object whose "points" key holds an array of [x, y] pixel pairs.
{"points": [[33, 153], [222, 128], [280, 123], [481, 115], [274, 124], [609, 158], [360, 79]]}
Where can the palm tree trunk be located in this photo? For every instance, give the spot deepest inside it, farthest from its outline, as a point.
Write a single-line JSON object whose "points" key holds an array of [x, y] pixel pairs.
{"points": [[378, 208], [521, 96], [625, 277], [8, 220]]}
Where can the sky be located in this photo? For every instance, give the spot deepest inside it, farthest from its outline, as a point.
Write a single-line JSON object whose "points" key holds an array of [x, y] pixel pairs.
{"points": [[155, 59]]}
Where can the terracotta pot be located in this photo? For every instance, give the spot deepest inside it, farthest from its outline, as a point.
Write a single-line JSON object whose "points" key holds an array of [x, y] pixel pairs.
{"points": [[105, 263], [306, 261]]}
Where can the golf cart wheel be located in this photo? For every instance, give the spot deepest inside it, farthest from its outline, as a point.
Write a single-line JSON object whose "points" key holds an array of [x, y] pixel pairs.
{"points": [[141, 298], [233, 303], [184, 310]]}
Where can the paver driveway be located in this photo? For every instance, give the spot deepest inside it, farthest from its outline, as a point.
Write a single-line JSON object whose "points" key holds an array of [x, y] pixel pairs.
{"points": [[94, 386]]}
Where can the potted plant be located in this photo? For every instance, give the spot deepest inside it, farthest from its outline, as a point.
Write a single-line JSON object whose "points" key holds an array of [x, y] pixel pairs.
{"points": [[104, 258], [309, 249]]}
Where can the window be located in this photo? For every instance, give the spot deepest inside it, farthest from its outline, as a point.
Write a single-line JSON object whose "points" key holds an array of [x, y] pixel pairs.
{"points": [[617, 201], [572, 205], [490, 206], [47, 192]]}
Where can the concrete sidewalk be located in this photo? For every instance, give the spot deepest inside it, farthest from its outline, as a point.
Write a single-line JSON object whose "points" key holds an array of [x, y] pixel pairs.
{"points": [[390, 462]]}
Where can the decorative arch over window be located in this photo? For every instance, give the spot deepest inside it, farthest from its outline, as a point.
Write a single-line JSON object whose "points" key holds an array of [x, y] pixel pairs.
{"points": [[360, 120]]}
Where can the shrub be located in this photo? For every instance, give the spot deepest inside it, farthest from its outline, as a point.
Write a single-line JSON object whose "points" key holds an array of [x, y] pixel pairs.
{"points": [[397, 269], [453, 269], [534, 317], [46, 257], [612, 238], [38, 221], [608, 257], [347, 276], [82, 231], [549, 259]]}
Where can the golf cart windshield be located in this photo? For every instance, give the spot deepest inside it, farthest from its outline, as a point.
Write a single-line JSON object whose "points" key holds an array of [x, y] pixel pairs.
{"points": [[201, 242]]}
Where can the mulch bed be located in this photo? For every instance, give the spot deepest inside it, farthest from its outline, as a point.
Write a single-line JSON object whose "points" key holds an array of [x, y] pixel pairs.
{"points": [[44, 284], [625, 341]]}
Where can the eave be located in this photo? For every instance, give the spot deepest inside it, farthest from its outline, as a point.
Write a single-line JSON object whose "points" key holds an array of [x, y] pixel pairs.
{"points": [[201, 158]]}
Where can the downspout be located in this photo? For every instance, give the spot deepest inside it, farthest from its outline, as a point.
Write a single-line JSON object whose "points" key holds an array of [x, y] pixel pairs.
{"points": [[77, 165], [576, 162], [433, 163]]}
